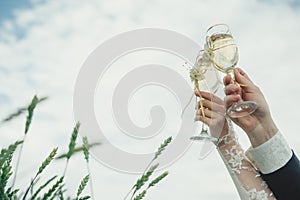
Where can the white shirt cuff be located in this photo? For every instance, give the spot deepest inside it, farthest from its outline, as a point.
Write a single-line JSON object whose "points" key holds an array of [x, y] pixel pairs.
{"points": [[271, 155]]}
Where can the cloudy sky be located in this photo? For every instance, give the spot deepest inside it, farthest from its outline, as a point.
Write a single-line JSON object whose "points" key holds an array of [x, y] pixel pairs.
{"points": [[43, 45]]}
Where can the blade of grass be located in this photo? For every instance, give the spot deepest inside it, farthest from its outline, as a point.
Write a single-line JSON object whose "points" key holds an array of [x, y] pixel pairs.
{"points": [[52, 190], [5, 154], [84, 198], [86, 153], [72, 145], [82, 185], [140, 182], [45, 163], [5, 161], [151, 184], [19, 112], [5, 174], [77, 150], [42, 187], [141, 195], [158, 179], [160, 149], [30, 110]]}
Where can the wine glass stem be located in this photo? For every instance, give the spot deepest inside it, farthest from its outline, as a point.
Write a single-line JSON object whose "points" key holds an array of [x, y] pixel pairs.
{"points": [[230, 72], [200, 99], [204, 127]]}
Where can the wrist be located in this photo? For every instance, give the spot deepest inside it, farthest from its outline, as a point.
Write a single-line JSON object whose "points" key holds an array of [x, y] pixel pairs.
{"points": [[262, 133], [228, 136], [225, 130]]}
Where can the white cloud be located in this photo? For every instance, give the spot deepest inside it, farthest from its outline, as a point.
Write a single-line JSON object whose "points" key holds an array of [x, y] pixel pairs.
{"points": [[42, 49]]}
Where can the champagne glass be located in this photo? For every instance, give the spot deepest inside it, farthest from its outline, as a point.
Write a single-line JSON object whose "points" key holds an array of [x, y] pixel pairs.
{"points": [[205, 78], [223, 53]]}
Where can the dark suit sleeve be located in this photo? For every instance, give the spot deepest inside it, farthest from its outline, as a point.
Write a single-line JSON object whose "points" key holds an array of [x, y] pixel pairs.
{"points": [[285, 182]]}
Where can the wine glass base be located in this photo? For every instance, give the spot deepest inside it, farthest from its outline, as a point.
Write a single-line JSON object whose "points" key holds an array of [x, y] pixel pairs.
{"points": [[242, 109]]}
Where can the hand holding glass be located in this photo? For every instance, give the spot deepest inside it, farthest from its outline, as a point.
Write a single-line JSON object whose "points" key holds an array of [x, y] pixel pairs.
{"points": [[223, 53], [205, 78]]}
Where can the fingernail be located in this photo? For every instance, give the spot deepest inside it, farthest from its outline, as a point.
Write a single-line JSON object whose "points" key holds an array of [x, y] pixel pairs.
{"points": [[237, 97]]}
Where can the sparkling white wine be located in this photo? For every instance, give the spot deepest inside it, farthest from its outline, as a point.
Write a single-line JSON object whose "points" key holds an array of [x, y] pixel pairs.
{"points": [[211, 81], [224, 52]]}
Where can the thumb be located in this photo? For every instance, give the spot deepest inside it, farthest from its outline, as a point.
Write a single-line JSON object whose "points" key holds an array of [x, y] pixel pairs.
{"points": [[242, 78]]}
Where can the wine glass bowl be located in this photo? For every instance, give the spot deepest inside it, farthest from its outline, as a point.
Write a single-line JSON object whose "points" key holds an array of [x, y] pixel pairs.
{"points": [[205, 78], [223, 53], [222, 48]]}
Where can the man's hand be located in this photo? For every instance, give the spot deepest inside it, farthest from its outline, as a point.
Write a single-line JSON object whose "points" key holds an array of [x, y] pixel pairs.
{"points": [[259, 125]]}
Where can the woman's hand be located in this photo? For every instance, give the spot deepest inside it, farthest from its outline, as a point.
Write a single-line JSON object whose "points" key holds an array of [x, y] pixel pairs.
{"points": [[214, 111]]}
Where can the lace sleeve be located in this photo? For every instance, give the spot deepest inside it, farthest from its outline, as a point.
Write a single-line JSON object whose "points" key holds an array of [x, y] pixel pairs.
{"points": [[246, 178]]}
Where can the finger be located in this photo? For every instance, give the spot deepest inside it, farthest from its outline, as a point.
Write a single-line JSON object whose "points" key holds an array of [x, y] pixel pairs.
{"points": [[243, 73], [197, 93], [206, 95], [211, 118], [232, 89], [207, 112], [197, 106], [242, 78], [231, 99], [206, 120], [212, 97], [214, 106], [209, 96], [227, 80]]}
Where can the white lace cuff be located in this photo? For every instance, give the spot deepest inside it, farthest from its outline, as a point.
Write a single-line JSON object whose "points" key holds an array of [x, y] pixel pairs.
{"points": [[271, 155]]}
